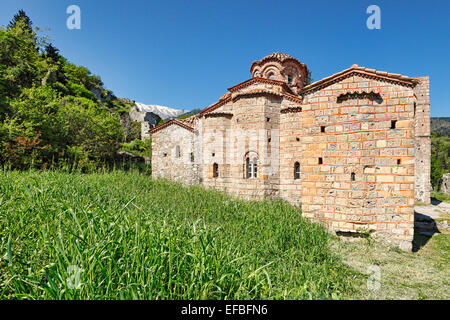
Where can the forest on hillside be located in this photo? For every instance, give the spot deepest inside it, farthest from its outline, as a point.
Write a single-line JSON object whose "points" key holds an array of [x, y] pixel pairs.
{"points": [[441, 125], [440, 150], [52, 112]]}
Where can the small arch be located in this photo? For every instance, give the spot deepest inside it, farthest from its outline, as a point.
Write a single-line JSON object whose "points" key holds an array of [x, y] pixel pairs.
{"points": [[297, 170]]}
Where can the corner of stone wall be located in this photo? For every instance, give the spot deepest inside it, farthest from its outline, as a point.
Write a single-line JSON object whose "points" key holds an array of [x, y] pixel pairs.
{"points": [[422, 141]]}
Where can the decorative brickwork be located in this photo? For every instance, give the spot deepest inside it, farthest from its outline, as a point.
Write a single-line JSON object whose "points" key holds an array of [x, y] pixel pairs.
{"points": [[352, 149]]}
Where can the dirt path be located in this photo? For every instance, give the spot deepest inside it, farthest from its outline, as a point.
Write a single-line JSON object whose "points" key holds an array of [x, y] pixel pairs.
{"points": [[437, 210]]}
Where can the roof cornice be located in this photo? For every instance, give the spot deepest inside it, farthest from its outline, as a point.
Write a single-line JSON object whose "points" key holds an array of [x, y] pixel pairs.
{"points": [[253, 80], [180, 123], [364, 72]]}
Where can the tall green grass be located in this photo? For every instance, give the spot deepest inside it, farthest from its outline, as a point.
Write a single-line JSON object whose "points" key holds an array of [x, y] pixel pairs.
{"points": [[135, 238]]}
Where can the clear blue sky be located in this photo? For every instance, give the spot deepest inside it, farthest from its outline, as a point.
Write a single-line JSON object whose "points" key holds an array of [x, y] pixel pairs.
{"points": [[185, 54]]}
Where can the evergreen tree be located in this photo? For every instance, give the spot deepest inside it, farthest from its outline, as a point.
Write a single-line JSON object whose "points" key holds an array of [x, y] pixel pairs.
{"points": [[23, 20], [52, 53]]}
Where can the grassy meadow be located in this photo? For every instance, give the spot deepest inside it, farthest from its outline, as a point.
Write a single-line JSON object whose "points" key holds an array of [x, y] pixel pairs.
{"points": [[121, 235]]}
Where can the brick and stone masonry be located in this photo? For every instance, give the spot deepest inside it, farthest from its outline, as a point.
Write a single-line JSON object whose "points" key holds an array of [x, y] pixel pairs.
{"points": [[353, 149]]}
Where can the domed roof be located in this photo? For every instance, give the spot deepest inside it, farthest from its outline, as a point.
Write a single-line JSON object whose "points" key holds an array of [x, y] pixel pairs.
{"points": [[280, 56]]}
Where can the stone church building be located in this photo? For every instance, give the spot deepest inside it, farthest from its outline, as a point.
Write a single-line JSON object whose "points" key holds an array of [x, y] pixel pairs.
{"points": [[352, 149]]}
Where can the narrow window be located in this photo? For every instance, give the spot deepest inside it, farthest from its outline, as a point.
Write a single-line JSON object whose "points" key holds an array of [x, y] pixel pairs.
{"points": [[268, 119], [269, 140], [215, 170], [353, 176], [192, 157], [251, 167], [399, 161], [298, 139], [289, 79], [393, 124], [297, 171], [322, 129], [320, 161], [213, 154], [178, 152]]}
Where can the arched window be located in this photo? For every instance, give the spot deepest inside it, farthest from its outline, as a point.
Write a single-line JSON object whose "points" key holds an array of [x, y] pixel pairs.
{"points": [[297, 170], [251, 167], [177, 152], [215, 170]]}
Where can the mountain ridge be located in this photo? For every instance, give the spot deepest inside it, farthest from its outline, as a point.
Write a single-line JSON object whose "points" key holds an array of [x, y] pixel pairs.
{"points": [[162, 111]]}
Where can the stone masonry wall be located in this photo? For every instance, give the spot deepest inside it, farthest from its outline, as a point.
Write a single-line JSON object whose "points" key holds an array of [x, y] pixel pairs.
{"points": [[358, 175], [290, 153], [165, 162], [422, 141]]}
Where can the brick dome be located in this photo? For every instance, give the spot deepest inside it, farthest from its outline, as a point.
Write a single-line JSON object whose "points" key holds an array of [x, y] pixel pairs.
{"points": [[282, 67]]}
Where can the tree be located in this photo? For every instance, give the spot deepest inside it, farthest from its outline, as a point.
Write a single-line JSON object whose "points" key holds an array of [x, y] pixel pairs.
{"points": [[52, 53], [21, 19], [57, 61], [21, 66]]}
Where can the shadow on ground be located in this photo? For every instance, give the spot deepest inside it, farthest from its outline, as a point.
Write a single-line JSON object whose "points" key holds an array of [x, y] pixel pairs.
{"points": [[435, 202], [424, 229]]}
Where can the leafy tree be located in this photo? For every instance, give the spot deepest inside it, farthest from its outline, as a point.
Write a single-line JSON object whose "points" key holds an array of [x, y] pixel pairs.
{"points": [[48, 111], [93, 129], [20, 64]]}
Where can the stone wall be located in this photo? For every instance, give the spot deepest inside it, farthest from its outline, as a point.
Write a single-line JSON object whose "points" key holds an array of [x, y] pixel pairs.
{"points": [[247, 126], [167, 162], [290, 152], [357, 171], [148, 120], [422, 141]]}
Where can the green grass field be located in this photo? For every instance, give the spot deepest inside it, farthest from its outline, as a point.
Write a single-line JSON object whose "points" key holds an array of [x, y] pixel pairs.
{"points": [[121, 235]]}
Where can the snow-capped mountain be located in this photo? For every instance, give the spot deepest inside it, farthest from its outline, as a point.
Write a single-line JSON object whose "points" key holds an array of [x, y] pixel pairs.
{"points": [[162, 111]]}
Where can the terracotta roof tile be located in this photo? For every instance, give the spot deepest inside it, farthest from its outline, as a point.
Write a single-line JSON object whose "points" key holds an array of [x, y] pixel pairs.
{"points": [[182, 123], [355, 69]]}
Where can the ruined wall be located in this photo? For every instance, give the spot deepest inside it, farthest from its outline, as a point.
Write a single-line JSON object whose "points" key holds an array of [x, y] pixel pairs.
{"points": [[165, 161], [359, 173], [422, 141], [148, 120]]}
